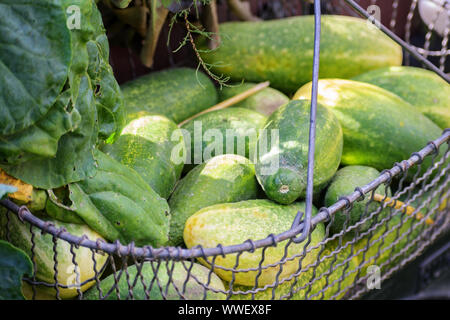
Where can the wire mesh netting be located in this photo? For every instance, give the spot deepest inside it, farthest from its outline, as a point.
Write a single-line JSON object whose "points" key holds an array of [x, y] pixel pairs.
{"points": [[384, 225]]}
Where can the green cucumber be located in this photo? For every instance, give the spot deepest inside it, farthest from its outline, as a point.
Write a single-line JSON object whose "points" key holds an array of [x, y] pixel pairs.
{"points": [[265, 102], [225, 178], [343, 184], [379, 127], [185, 281], [43, 257], [225, 131], [281, 51], [175, 93], [324, 278], [234, 223], [281, 168], [423, 89], [145, 145]]}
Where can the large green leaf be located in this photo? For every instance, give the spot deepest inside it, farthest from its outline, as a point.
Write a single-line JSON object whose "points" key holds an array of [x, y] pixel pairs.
{"points": [[35, 55], [109, 99], [40, 140], [52, 160], [92, 54], [118, 204], [14, 263], [74, 160]]}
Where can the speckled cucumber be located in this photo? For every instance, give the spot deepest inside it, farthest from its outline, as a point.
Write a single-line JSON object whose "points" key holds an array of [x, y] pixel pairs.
{"points": [[225, 131], [182, 285], [146, 145], [281, 51], [325, 278], [20, 236], [343, 184], [281, 168], [265, 102], [234, 223], [222, 179], [175, 93], [379, 127], [423, 89]]}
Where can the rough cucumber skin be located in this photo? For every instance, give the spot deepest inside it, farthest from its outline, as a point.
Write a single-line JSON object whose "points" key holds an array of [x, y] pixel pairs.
{"points": [[234, 223], [423, 89], [379, 127], [145, 145], [179, 280], [175, 93], [320, 289], [237, 125], [343, 184], [265, 102], [281, 51], [287, 183], [20, 236], [225, 178]]}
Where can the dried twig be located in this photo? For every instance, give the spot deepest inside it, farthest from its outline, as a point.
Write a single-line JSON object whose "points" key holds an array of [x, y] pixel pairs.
{"points": [[221, 80], [231, 101]]}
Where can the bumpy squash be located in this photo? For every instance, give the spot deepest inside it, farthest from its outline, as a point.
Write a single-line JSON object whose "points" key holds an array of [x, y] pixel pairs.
{"points": [[234, 223], [225, 131], [344, 183], [281, 166], [175, 93], [281, 50], [222, 179], [423, 89], [379, 127]]}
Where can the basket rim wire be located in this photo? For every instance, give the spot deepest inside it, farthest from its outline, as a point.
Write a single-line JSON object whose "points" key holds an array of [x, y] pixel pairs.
{"points": [[300, 229], [410, 49]]}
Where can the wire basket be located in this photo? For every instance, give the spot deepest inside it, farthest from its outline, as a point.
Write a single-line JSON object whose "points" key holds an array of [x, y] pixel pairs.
{"points": [[399, 226]]}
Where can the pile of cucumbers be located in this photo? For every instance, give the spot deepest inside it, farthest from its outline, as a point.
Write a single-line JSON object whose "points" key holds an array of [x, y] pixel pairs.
{"points": [[234, 174]]}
